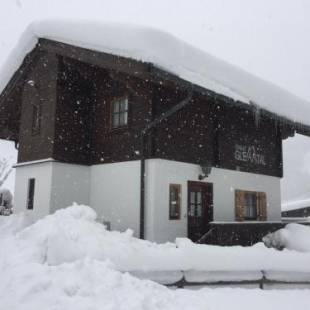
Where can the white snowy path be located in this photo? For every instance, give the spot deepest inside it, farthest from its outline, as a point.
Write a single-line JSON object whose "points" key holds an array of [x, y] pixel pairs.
{"points": [[239, 299], [61, 263], [90, 284]]}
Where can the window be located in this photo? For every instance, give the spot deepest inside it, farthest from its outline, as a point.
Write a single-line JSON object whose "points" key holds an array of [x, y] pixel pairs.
{"points": [[174, 201], [120, 112], [195, 208], [30, 195], [250, 205], [36, 118]]}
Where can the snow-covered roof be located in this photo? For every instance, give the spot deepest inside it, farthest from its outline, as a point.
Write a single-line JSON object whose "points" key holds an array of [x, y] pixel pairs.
{"points": [[166, 52], [296, 204]]}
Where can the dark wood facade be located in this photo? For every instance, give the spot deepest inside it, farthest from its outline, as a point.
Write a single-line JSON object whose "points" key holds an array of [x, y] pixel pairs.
{"points": [[75, 87], [246, 234], [302, 212]]}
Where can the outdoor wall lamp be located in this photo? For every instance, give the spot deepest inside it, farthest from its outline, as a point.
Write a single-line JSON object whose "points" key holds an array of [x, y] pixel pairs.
{"points": [[206, 170]]}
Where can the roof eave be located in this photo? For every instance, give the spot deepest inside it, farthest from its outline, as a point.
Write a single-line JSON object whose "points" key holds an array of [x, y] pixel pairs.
{"points": [[141, 70]]}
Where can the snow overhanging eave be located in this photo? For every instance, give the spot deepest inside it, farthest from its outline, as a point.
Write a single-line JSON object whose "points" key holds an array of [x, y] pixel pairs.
{"points": [[161, 73], [153, 71]]}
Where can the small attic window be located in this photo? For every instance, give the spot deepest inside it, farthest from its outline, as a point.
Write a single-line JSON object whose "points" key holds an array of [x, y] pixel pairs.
{"points": [[36, 119], [120, 112]]}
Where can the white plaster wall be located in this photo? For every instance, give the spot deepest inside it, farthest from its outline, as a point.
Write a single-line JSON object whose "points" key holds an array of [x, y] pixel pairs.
{"points": [[226, 181], [113, 190], [162, 172], [42, 172], [115, 194], [70, 183]]}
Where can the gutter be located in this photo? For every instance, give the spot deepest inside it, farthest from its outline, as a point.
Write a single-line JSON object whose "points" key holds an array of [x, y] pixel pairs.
{"points": [[186, 101]]}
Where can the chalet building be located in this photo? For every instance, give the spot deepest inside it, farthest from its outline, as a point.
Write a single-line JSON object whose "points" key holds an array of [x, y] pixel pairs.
{"points": [[146, 146]]}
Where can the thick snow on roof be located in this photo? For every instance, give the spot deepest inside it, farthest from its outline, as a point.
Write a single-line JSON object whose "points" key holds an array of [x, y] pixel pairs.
{"points": [[296, 204], [164, 51]]}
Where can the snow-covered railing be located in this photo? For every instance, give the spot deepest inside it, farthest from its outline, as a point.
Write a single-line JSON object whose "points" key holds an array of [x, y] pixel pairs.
{"points": [[260, 279]]}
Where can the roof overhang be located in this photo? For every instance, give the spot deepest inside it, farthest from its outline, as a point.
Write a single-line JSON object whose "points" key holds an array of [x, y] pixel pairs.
{"points": [[132, 67]]}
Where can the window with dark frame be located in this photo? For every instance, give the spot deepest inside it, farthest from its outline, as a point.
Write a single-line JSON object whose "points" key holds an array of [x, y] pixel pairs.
{"points": [[174, 201], [250, 205], [36, 118], [30, 194], [195, 207], [120, 112]]}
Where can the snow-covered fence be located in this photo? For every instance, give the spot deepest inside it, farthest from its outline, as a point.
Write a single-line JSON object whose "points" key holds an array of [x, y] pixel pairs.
{"points": [[255, 279]]}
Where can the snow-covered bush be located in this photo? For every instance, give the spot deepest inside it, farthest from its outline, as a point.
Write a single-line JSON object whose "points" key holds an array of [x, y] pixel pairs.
{"points": [[293, 237], [6, 197], [6, 202]]}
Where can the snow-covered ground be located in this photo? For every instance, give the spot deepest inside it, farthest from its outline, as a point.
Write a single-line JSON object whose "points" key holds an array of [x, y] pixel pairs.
{"points": [[69, 261]]}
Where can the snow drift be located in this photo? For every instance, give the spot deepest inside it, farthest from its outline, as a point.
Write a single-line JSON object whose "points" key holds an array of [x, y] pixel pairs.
{"points": [[293, 237], [69, 261], [164, 51], [73, 234]]}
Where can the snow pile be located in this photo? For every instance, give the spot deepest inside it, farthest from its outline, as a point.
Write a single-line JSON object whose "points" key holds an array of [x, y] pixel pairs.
{"points": [[293, 237], [164, 51], [87, 284], [28, 281], [73, 234], [69, 261], [13, 224]]}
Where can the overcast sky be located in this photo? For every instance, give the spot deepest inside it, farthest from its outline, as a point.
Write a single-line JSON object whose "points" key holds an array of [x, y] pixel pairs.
{"points": [[269, 38]]}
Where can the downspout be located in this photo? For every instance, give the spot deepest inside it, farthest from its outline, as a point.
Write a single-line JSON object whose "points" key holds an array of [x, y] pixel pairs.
{"points": [[142, 187], [144, 132]]}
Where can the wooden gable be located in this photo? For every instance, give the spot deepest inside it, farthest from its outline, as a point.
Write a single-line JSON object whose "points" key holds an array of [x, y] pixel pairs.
{"points": [[211, 128]]}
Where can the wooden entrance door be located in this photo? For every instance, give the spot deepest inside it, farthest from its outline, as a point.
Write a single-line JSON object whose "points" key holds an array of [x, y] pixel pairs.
{"points": [[199, 209]]}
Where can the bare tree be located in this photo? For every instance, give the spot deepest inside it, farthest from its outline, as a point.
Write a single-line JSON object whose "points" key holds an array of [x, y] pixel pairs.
{"points": [[5, 170]]}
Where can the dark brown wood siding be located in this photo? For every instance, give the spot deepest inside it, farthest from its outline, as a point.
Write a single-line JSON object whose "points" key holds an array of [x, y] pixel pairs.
{"points": [[73, 114], [10, 114], [78, 128], [187, 135], [84, 134], [247, 142], [39, 88], [119, 144]]}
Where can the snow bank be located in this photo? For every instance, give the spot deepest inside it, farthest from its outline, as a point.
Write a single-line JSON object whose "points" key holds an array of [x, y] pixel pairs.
{"points": [[73, 234], [14, 223], [164, 51], [69, 261], [293, 237]]}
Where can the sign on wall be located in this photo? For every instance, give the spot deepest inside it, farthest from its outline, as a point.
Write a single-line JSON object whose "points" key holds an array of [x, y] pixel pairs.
{"points": [[250, 154]]}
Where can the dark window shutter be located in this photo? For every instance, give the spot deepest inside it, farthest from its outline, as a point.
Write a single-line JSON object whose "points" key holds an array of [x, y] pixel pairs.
{"points": [[239, 212], [262, 206]]}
